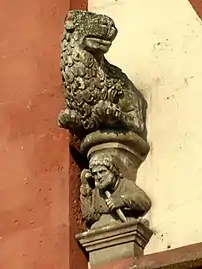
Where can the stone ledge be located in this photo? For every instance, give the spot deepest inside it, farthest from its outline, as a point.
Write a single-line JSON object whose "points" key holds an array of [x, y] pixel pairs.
{"points": [[180, 258]]}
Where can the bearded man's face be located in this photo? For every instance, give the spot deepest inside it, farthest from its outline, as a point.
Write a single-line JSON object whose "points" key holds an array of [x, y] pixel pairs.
{"points": [[104, 179]]}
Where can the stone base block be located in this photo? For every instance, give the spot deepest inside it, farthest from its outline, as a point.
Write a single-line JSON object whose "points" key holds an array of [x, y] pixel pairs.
{"points": [[116, 242]]}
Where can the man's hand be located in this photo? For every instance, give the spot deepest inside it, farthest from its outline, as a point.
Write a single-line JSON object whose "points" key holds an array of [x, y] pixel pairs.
{"points": [[114, 203], [85, 188]]}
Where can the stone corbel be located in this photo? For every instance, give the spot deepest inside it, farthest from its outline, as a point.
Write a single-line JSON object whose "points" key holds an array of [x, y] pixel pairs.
{"points": [[108, 114]]}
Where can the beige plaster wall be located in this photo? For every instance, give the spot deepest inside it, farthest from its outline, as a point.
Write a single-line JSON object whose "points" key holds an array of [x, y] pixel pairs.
{"points": [[159, 46]]}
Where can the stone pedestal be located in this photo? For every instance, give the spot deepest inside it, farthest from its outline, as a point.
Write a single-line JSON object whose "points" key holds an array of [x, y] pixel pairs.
{"points": [[116, 242]]}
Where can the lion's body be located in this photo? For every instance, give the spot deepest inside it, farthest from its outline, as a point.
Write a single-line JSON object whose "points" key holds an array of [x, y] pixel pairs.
{"points": [[93, 87]]}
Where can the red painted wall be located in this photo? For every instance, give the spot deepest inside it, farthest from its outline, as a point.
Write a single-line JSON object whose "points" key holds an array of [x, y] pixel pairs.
{"points": [[79, 4], [197, 5], [34, 155]]}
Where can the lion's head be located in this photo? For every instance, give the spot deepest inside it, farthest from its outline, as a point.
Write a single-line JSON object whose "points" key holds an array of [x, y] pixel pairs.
{"points": [[92, 32]]}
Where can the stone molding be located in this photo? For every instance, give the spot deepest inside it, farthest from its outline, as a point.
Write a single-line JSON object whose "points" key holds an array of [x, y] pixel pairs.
{"points": [[185, 257]]}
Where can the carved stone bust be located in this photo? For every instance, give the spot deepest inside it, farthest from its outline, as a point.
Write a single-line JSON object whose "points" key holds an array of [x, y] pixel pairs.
{"points": [[104, 175]]}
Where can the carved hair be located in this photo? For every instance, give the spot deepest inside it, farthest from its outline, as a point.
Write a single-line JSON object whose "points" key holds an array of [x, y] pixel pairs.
{"points": [[108, 161]]}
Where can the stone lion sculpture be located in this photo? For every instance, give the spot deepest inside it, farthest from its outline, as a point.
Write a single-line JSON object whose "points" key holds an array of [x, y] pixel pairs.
{"points": [[98, 94]]}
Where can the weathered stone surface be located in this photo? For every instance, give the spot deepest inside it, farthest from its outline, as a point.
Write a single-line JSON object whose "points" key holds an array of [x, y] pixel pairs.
{"points": [[97, 93], [115, 242], [129, 149], [105, 109], [109, 164]]}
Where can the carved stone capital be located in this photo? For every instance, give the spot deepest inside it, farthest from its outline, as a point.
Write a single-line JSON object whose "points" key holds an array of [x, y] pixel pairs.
{"points": [[128, 148]]}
